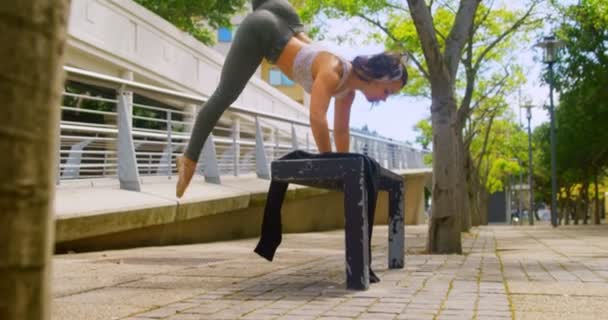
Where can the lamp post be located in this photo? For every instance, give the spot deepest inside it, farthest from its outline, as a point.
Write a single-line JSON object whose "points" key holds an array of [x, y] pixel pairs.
{"points": [[520, 206], [531, 212], [550, 46]]}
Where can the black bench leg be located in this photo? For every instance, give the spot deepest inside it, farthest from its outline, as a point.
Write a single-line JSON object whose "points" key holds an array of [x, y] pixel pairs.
{"points": [[395, 221], [356, 231]]}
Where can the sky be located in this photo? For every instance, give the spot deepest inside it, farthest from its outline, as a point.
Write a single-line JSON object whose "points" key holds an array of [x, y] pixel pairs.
{"points": [[396, 117]]}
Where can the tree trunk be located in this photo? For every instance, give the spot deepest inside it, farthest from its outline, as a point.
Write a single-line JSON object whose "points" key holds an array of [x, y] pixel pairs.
{"points": [[562, 206], [444, 223], [585, 199], [484, 195], [33, 39], [569, 208], [568, 214], [474, 192], [462, 183], [596, 212], [576, 211]]}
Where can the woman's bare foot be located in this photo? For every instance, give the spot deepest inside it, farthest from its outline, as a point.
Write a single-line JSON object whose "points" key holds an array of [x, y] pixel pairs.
{"points": [[185, 171]]}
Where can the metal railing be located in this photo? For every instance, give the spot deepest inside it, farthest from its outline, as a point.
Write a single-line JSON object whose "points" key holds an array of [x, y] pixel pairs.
{"points": [[112, 127]]}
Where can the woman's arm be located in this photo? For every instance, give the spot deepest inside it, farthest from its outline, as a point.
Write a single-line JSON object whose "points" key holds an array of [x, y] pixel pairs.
{"points": [[342, 122], [322, 88]]}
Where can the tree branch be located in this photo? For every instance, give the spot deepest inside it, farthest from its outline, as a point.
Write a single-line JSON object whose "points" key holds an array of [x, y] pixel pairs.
{"points": [[390, 35], [441, 35], [428, 39], [465, 106], [487, 171], [482, 116], [469, 138], [465, 110], [394, 6], [507, 32], [486, 139], [471, 70], [483, 18], [459, 34]]}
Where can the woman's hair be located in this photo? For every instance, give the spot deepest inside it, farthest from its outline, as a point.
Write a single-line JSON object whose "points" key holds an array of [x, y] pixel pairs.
{"points": [[257, 3], [385, 66]]}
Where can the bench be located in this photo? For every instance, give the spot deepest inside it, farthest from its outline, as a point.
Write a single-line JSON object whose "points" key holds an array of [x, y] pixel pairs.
{"points": [[346, 174]]}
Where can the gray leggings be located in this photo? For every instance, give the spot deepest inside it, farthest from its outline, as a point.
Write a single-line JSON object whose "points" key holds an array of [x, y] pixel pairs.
{"points": [[263, 34]]}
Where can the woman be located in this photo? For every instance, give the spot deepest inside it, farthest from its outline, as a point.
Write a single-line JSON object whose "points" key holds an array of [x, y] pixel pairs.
{"points": [[274, 31]]}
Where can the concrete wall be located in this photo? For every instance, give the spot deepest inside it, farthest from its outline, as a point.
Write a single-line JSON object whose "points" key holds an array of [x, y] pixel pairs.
{"points": [[232, 217], [319, 212], [414, 198]]}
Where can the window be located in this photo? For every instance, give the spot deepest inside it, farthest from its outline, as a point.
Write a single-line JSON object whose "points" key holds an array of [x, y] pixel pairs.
{"points": [[277, 78], [224, 34], [286, 81]]}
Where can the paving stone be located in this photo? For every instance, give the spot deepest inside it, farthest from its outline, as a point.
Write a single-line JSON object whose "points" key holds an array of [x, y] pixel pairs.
{"points": [[159, 313], [297, 317], [188, 317], [415, 316], [493, 314], [528, 272], [342, 313], [376, 316]]}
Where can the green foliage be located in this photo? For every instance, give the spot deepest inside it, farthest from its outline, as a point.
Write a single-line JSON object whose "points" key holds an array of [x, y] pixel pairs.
{"points": [[585, 32], [506, 142], [542, 163], [86, 110], [501, 169], [582, 74], [196, 17], [425, 133]]}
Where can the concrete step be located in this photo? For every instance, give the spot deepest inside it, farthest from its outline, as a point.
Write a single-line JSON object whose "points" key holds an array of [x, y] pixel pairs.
{"points": [[98, 215]]}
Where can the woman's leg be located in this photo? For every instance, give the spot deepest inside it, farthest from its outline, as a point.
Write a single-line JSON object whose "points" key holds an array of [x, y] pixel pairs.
{"points": [[251, 43], [244, 57]]}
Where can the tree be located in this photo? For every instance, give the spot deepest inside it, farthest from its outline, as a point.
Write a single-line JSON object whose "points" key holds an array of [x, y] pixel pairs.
{"points": [[494, 140], [33, 43], [436, 35], [581, 76], [542, 163], [196, 16]]}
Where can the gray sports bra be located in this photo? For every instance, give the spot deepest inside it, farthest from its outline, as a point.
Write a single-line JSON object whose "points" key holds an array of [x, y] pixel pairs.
{"points": [[302, 68]]}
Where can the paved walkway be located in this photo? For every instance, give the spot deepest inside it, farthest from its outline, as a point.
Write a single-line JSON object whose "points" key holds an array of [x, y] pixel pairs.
{"points": [[506, 273]]}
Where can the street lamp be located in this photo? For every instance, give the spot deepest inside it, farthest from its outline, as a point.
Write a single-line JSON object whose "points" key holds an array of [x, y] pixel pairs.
{"points": [[530, 180], [551, 45], [520, 206]]}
